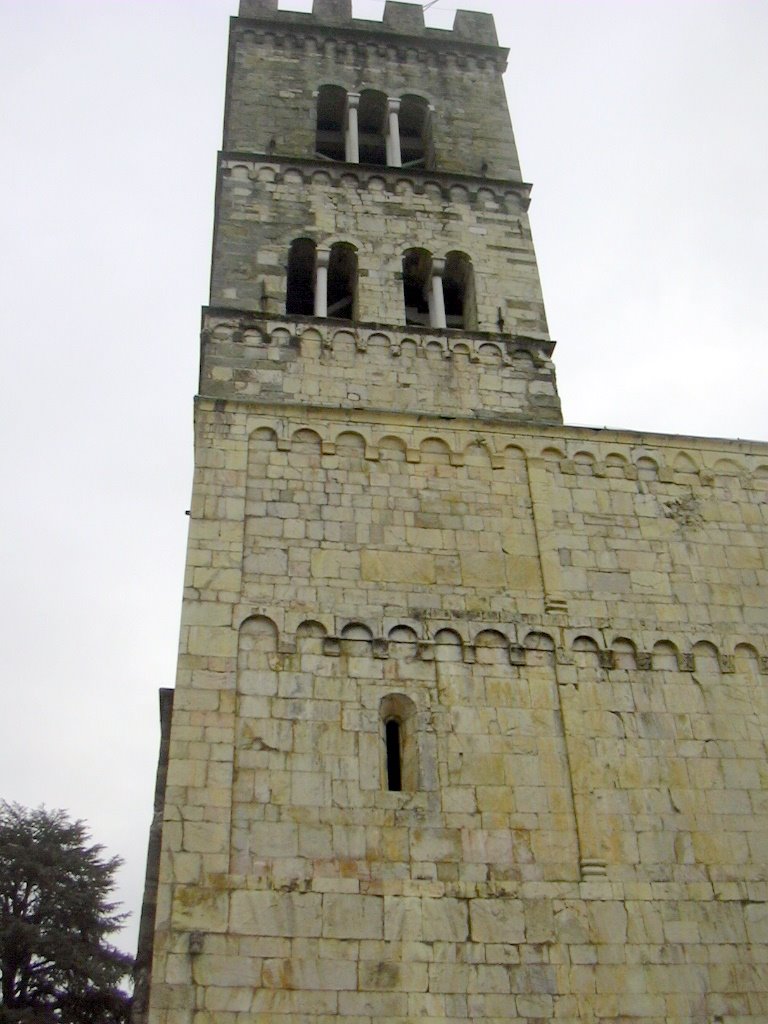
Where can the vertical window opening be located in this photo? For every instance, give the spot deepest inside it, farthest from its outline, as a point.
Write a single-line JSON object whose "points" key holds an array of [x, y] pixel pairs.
{"points": [[372, 119], [300, 286], [394, 756], [416, 268], [459, 293], [330, 138], [342, 282], [400, 746], [415, 134]]}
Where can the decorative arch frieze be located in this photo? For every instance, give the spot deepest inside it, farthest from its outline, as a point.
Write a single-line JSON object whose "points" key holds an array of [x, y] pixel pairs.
{"points": [[508, 644], [458, 445], [444, 187]]}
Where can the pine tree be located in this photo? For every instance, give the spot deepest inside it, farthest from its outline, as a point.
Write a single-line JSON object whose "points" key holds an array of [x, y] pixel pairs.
{"points": [[55, 965]]}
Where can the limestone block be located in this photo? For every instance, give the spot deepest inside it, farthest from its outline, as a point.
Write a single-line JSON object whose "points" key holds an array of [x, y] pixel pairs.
{"points": [[436, 844], [444, 920], [353, 917], [494, 846], [482, 570], [276, 913], [489, 978], [382, 976], [539, 921], [203, 837], [756, 915], [315, 975], [310, 790], [211, 642], [450, 978], [536, 1007], [227, 970], [498, 921], [187, 773], [397, 567], [270, 1005], [523, 574], [223, 1001], [267, 839], [198, 909], [402, 918], [376, 1005]]}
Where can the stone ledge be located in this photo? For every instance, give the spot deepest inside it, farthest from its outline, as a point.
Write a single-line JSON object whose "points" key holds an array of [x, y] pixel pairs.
{"points": [[449, 340], [472, 185]]}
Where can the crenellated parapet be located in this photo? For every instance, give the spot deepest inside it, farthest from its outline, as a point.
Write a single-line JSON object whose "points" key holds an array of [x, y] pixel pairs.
{"points": [[400, 19]]}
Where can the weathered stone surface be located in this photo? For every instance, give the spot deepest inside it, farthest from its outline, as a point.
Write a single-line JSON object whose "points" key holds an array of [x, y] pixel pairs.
{"points": [[390, 524]]}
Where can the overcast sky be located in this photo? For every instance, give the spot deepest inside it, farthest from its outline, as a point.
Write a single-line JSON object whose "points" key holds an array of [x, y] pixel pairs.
{"points": [[642, 126]]}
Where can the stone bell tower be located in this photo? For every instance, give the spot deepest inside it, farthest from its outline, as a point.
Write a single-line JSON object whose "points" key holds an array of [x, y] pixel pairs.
{"points": [[432, 742]]}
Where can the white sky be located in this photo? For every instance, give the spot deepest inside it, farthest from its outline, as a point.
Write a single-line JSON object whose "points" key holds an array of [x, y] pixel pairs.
{"points": [[641, 123]]}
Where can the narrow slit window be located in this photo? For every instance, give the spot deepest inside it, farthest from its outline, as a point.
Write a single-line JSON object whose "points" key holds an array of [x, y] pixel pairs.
{"points": [[394, 756], [400, 746]]}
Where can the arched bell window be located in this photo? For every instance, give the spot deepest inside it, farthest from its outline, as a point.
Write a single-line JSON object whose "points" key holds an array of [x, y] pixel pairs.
{"points": [[300, 285], [321, 282], [330, 135], [342, 282], [415, 132], [417, 265], [459, 292], [372, 127]]}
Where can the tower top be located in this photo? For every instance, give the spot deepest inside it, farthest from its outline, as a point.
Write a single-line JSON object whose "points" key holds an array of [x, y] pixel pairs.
{"points": [[404, 19]]}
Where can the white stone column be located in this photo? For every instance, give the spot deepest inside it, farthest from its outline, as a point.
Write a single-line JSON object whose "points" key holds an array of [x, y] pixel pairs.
{"points": [[322, 258], [394, 158], [352, 134], [435, 295]]}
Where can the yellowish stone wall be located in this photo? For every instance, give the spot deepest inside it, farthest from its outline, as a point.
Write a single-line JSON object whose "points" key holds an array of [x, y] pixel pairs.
{"points": [[392, 516], [383, 212], [575, 615]]}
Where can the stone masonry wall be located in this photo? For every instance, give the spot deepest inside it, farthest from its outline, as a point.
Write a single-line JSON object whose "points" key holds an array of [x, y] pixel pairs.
{"points": [[285, 359], [653, 535], [587, 832], [262, 207], [568, 624]]}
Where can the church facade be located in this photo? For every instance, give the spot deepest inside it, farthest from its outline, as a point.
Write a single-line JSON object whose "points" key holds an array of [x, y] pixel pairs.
{"points": [[471, 709]]}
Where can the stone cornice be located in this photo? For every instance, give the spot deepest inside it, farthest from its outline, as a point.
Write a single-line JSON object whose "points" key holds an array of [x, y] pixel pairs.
{"points": [[450, 337], [298, 26], [540, 436]]}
